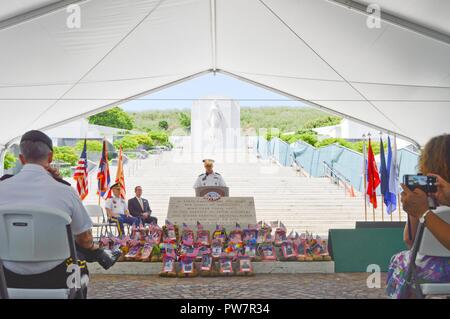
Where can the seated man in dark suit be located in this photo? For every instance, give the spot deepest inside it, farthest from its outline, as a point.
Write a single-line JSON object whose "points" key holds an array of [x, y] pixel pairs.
{"points": [[140, 208]]}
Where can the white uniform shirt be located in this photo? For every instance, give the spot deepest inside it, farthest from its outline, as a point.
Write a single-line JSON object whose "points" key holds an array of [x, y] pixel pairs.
{"points": [[117, 205], [213, 179], [33, 185]]}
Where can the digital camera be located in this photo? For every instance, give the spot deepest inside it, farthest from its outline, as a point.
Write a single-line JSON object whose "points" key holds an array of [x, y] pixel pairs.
{"points": [[425, 183]]}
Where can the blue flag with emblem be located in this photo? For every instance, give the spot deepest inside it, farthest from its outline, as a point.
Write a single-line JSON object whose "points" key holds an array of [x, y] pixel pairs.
{"points": [[384, 173], [390, 197]]}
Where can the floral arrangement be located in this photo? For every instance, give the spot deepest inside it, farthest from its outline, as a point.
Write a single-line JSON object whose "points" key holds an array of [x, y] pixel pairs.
{"points": [[199, 252]]}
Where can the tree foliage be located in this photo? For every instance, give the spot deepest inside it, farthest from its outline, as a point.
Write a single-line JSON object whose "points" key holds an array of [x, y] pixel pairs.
{"points": [[307, 136], [163, 125], [10, 161], [159, 137], [65, 154], [128, 143], [144, 140], [185, 120], [323, 121], [91, 146], [115, 117]]}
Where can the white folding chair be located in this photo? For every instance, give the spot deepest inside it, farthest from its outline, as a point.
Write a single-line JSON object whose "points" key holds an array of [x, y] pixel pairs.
{"points": [[37, 234], [97, 212], [430, 246]]}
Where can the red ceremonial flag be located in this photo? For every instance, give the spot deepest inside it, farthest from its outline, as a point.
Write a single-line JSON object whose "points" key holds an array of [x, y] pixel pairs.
{"points": [[373, 178], [81, 174], [120, 178]]}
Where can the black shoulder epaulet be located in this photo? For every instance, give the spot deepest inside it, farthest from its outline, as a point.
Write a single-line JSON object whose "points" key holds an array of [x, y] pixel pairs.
{"points": [[62, 181], [6, 176], [201, 175], [217, 173]]}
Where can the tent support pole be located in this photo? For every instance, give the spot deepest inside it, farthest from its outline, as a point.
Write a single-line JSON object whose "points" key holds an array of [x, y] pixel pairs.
{"points": [[395, 20], [213, 36]]}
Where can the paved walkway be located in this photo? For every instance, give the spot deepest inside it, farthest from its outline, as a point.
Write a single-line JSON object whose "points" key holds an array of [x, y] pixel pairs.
{"points": [[315, 286]]}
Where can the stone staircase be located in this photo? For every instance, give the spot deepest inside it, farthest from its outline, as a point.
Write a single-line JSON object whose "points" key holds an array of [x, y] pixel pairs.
{"points": [[280, 193]]}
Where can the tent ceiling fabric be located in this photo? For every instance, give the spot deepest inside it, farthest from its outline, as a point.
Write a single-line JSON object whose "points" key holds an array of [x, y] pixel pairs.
{"points": [[389, 77]]}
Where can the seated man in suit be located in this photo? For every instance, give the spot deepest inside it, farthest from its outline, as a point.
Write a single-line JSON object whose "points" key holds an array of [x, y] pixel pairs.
{"points": [[140, 208]]}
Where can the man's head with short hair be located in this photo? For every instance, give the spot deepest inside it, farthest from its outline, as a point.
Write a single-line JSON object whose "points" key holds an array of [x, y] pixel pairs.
{"points": [[36, 148], [138, 191], [116, 189]]}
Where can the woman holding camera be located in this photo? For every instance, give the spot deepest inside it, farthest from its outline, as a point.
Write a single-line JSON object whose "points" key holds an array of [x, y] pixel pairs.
{"points": [[434, 161]]}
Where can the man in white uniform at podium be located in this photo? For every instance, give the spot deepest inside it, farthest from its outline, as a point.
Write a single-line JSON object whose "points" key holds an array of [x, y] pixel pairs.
{"points": [[209, 178]]}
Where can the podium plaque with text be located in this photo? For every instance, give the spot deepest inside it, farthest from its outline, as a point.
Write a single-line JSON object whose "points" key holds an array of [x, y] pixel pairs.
{"points": [[226, 211]]}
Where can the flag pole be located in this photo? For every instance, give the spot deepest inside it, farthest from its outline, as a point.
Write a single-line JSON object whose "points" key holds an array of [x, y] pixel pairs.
{"points": [[382, 195], [398, 172], [98, 186], [373, 207], [364, 176]]}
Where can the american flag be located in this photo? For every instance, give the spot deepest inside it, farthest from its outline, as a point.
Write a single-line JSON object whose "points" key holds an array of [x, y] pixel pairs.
{"points": [[103, 173], [81, 174]]}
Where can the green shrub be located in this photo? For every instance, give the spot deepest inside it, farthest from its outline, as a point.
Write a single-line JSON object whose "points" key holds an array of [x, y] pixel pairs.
{"points": [[128, 143], [159, 137], [163, 125], [92, 146], [185, 120], [144, 140], [65, 154], [307, 136], [272, 133], [329, 141], [10, 161], [323, 121], [358, 147]]}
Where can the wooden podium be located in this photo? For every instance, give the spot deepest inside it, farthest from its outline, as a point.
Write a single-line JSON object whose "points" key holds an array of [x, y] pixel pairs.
{"points": [[222, 191]]}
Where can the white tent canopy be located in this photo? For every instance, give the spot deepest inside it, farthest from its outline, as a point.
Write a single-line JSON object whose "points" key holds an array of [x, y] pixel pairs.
{"points": [[395, 78]]}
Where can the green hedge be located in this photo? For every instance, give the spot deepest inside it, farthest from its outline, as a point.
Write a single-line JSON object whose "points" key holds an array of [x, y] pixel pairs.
{"points": [[65, 154], [310, 137], [92, 146], [159, 137], [128, 143], [323, 121]]}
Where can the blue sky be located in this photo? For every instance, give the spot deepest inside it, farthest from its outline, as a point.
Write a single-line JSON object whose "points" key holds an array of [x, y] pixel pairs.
{"points": [[209, 85]]}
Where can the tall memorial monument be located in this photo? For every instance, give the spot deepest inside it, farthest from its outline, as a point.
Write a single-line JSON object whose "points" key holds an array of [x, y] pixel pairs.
{"points": [[215, 127]]}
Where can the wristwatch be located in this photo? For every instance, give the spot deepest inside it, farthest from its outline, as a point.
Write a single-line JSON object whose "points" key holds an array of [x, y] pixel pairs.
{"points": [[422, 219]]}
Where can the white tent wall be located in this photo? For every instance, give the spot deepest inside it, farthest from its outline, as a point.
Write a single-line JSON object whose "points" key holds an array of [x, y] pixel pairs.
{"points": [[392, 78]]}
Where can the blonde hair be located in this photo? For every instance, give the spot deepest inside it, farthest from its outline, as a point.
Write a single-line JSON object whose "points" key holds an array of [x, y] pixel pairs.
{"points": [[435, 157], [208, 163]]}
